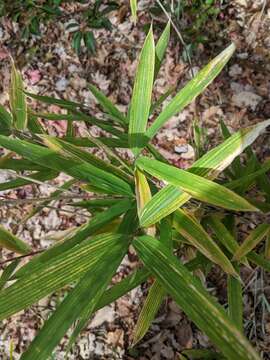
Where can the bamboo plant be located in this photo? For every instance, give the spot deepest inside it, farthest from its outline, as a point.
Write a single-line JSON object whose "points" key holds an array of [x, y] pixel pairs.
{"points": [[129, 207]]}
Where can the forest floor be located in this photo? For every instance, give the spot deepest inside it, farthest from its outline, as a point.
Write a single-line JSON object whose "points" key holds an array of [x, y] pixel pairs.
{"points": [[240, 96]]}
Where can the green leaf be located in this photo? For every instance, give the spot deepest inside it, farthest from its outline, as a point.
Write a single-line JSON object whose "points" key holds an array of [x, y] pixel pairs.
{"points": [[83, 233], [194, 88], [79, 116], [69, 150], [202, 354], [66, 104], [5, 121], [107, 105], [143, 195], [198, 237], [156, 294], [40, 176], [72, 166], [19, 164], [253, 239], [55, 273], [133, 7], [196, 186], [76, 41], [17, 100], [247, 180], [224, 236], [123, 287], [194, 300], [86, 142], [210, 165], [154, 299], [235, 301], [160, 100], [76, 303], [7, 272], [90, 41], [259, 260], [161, 47], [141, 95], [12, 242]]}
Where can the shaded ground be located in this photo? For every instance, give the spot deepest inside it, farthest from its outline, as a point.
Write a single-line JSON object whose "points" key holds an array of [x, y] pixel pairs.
{"points": [[240, 96]]}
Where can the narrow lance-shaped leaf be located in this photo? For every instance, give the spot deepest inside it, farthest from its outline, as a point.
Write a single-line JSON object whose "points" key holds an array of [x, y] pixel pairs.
{"points": [[198, 237], [223, 235], [66, 104], [133, 7], [235, 301], [7, 272], [201, 354], [253, 239], [143, 195], [210, 165], [156, 293], [232, 246], [90, 287], [131, 282], [40, 177], [267, 246], [69, 150], [160, 100], [107, 105], [196, 186], [153, 301], [244, 181], [12, 242], [18, 100], [194, 300], [161, 47], [141, 95], [79, 169], [5, 121], [82, 233], [54, 274], [192, 89], [128, 222]]}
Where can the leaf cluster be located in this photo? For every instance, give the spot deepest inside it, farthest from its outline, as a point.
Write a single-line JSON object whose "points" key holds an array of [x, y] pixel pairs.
{"points": [[181, 226]]}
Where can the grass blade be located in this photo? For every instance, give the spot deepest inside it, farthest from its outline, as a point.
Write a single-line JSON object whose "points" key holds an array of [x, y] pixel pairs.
{"points": [[210, 165], [205, 190], [161, 48], [253, 239], [7, 272], [12, 242], [235, 301], [54, 274], [83, 233], [79, 169], [194, 88], [151, 306], [107, 105], [91, 286], [194, 300], [198, 237], [40, 176], [17, 100], [141, 95], [5, 121], [133, 7]]}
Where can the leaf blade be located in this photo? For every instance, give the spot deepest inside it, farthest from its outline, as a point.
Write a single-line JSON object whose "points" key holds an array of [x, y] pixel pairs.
{"points": [[141, 95], [192, 89], [190, 295], [210, 165], [205, 190]]}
